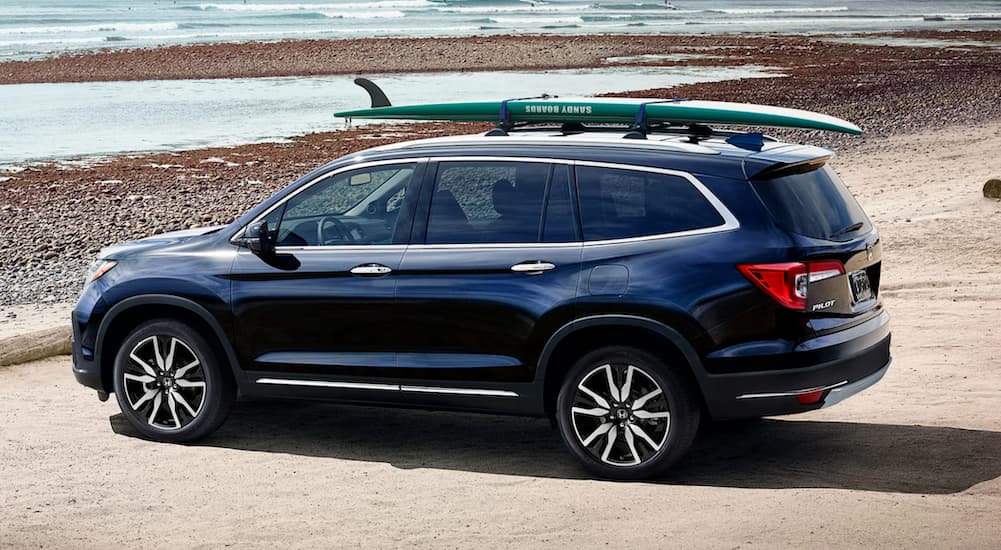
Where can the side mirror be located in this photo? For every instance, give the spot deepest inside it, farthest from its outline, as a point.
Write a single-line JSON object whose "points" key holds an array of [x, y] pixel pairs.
{"points": [[258, 238]]}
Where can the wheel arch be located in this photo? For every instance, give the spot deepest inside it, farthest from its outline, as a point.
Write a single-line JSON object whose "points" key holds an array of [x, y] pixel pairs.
{"points": [[583, 335], [124, 316]]}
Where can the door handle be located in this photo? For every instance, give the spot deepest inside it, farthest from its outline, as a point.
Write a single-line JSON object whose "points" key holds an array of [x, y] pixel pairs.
{"points": [[532, 268], [370, 269]]}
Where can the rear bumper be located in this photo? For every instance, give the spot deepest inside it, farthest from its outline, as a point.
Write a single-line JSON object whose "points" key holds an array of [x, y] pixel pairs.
{"points": [[836, 366]]}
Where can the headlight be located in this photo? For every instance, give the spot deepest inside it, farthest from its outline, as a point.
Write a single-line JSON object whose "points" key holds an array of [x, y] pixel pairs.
{"points": [[98, 269]]}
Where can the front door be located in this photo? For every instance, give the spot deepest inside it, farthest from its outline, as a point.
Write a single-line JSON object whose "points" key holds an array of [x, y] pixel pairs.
{"points": [[324, 305], [491, 274]]}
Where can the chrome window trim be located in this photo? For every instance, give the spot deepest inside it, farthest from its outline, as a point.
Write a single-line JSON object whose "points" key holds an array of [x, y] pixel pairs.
{"points": [[349, 247], [730, 221], [479, 392]]}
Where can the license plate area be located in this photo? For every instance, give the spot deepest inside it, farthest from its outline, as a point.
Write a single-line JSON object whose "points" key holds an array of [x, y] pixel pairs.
{"points": [[859, 282]]}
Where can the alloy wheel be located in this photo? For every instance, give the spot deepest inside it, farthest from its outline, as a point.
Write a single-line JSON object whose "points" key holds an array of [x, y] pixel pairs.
{"points": [[620, 414], [164, 382]]}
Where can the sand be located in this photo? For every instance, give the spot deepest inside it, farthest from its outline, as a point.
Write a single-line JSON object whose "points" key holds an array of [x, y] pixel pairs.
{"points": [[25, 318], [913, 462]]}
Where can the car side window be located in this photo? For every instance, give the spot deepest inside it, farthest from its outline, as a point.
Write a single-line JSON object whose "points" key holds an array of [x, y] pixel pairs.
{"points": [[487, 202], [620, 203], [351, 208]]}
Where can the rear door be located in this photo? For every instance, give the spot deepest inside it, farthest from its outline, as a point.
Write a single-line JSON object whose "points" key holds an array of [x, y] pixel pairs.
{"points": [[493, 269]]}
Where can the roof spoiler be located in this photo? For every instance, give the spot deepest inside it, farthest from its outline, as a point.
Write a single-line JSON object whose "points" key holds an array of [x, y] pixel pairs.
{"points": [[781, 169]]}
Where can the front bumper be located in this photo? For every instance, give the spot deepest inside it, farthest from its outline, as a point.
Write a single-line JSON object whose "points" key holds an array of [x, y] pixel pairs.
{"points": [[836, 366], [86, 370]]}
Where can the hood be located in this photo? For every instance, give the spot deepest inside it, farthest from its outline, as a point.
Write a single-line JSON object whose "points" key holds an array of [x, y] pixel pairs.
{"points": [[121, 250]]}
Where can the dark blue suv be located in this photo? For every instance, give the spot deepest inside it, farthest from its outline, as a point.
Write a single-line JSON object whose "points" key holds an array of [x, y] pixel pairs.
{"points": [[625, 288]]}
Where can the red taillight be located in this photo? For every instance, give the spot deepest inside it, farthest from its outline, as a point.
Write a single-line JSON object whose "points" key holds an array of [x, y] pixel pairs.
{"points": [[788, 283], [809, 398]]}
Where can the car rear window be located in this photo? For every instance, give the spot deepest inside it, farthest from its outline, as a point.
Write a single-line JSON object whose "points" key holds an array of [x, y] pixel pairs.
{"points": [[618, 203], [816, 204]]}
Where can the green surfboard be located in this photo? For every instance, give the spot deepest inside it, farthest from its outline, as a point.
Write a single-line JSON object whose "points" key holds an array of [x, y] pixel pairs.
{"points": [[611, 111]]}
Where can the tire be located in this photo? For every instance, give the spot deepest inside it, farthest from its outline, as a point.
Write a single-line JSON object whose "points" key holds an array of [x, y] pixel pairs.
{"points": [[643, 445], [170, 384]]}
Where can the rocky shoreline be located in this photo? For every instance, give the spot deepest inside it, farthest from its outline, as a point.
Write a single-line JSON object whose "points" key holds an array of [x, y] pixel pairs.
{"points": [[57, 216], [503, 52]]}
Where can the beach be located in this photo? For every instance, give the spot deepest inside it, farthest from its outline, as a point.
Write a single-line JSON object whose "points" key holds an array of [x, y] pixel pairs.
{"points": [[911, 462]]}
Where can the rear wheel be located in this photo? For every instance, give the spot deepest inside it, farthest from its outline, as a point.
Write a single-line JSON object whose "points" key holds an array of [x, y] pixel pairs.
{"points": [[626, 414], [170, 384]]}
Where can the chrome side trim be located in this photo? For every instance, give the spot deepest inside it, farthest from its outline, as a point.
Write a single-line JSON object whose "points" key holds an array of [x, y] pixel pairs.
{"points": [[792, 393], [459, 391], [324, 384], [838, 395], [387, 387]]}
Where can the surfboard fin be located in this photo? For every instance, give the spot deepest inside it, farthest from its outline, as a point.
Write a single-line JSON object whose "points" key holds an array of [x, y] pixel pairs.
{"points": [[376, 94]]}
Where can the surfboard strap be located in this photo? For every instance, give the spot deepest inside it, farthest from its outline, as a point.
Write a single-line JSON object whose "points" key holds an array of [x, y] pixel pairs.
{"points": [[504, 121]]}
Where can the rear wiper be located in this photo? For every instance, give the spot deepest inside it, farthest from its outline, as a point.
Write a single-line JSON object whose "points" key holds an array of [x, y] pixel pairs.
{"points": [[853, 227]]}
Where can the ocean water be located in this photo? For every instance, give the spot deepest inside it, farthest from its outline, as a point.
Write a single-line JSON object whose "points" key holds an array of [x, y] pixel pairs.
{"points": [[106, 118], [35, 28]]}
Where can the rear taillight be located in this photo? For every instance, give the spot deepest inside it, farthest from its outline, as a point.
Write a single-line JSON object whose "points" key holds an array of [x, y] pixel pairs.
{"points": [[789, 283]]}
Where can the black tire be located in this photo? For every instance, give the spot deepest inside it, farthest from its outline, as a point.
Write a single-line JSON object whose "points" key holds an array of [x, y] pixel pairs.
{"points": [[205, 389], [670, 435]]}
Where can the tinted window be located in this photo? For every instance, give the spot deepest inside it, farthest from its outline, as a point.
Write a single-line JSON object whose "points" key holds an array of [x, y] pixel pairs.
{"points": [[618, 203], [356, 207], [487, 202], [816, 204], [559, 226]]}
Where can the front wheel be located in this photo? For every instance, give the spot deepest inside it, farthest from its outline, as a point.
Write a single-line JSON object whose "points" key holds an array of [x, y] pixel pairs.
{"points": [[625, 414], [170, 384]]}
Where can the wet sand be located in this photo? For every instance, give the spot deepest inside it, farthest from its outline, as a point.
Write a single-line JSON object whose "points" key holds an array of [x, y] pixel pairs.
{"points": [[390, 55]]}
